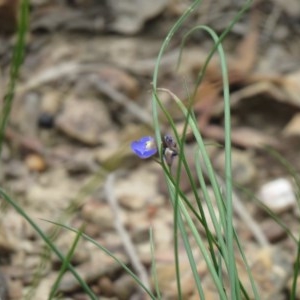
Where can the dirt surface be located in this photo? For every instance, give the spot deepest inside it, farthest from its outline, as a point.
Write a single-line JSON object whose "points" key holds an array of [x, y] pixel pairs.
{"points": [[84, 95]]}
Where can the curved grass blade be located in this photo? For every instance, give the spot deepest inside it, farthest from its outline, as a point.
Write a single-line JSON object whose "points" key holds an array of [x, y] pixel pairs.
{"points": [[178, 192], [65, 264], [296, 272], [235, 287], [106, 251], [17, 61], [164, 46], [202, 72], [48, 242], [200, 243]]}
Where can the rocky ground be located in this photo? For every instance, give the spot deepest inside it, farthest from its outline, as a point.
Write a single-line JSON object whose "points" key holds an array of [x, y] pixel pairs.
{"points": [[85, 93]]}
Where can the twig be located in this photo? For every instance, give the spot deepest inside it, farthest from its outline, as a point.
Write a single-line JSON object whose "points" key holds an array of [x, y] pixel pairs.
{"points": [[126, 240]]}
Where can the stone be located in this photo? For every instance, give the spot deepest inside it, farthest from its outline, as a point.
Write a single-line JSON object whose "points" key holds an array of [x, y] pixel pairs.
{"points": [[271, 269], [92, 270], [144, 253], [15, 288], [278, 195], [6, 152], [35, 162], [84, 120], [124, 287], [142, 190], [55, 187], [110, 239], [100, 213], [43, 290], [162, 234], [140, 231], [119, 80], [12, 230], [132, 203], [106, 286], [51, 102], [81, 162], [15, 169], [130, 16], [166, 279], [243, 168], [110, 144]]}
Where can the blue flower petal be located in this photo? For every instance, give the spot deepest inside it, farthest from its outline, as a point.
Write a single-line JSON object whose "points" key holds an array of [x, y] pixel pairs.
{"points": [[145, 147]]}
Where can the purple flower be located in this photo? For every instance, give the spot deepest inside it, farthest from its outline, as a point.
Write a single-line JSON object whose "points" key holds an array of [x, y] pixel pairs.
{"points": [[145, 147]]}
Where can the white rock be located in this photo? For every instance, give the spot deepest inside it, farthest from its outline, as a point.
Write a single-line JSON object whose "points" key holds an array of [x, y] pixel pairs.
{"points": [[278, 195]]}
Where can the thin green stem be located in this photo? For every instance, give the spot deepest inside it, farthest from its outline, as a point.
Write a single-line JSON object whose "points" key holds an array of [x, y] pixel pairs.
{"points": [[296, 273], [201, 245], [65, 264], [164, 46], [17, 60], [110, 254], [48, 242]]}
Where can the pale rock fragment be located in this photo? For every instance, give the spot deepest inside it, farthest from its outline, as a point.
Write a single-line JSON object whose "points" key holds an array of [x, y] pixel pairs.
{"points": [[278, 195]]}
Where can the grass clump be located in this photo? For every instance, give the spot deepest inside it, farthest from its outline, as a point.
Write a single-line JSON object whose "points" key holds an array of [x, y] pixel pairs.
{"points": [[220, 255]]}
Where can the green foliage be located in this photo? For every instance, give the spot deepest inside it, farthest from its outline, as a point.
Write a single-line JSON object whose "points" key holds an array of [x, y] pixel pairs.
{"points": [[48, 242], [225, 256]]}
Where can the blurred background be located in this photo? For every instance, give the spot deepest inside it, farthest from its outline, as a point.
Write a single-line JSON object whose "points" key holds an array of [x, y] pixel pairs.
{"points": [[84, 93]]}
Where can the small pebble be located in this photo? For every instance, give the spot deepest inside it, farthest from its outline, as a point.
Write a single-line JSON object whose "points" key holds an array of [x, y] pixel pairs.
{"points": [[98, 213], [35, 163], [243, 168], [106, 286], [278, 195], [271, 268], [124, 287], [46, 120], [84, 120]]}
